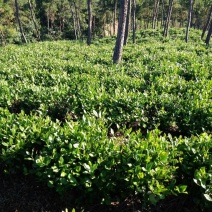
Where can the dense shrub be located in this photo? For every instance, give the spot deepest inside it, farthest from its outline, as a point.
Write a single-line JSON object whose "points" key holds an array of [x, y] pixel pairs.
{"points": [[79, 123]]}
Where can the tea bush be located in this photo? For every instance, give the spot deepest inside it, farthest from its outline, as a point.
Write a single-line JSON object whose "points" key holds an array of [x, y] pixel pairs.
{"points": [[78, 122], [80, 155]]}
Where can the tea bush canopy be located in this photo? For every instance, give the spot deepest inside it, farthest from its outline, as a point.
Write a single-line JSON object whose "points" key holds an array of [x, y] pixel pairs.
{"points": [[73, 120]]}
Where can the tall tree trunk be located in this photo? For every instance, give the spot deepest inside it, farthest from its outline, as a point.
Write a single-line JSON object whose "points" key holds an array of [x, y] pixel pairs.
{"points": [[207, 23], [207, 41], [127, 27], [166, 27], [104, 30], [117, 55], [78, 25], [19, 22], [155, 13], [114, 16], [189, 20], [93, 22], [134, 20], [89, 2], [74, 21], [62, 19], [48, 24], [33, 20], [162, 13]]}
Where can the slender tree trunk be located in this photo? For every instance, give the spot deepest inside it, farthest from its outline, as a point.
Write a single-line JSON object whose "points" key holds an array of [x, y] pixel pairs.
{"points": [[207, 23], [147, 18], [74, 21], [140, 24], [114, 16], [117, 55], [48, 24], [62, 19], [111, 28], [162, 13], [127, 27], [78, 25], [93, 22], [19, 22], [155, 14], [104, 30], [2, 38], [89, 2], [181, 20], [134, 20], [33, 20], [189, 20], [51, 24], [207, 41], [166, 27]]}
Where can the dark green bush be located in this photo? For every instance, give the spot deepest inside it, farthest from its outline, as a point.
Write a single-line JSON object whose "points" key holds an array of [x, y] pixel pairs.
{"points": [[80, 156]]}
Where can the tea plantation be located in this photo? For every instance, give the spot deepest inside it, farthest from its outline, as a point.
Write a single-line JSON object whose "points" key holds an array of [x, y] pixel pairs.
{"points": [[80, 124]]}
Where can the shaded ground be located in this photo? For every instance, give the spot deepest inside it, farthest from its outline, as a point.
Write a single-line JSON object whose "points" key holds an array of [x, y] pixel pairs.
{"points": [[21, 193]]}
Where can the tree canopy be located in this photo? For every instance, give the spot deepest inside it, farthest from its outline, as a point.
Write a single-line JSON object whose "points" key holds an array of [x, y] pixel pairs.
{"points": [[68, 19]]}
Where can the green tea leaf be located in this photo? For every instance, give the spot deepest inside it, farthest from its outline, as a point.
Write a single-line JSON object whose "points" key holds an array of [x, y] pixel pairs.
{"points": [[163, 156], [208, 197]]}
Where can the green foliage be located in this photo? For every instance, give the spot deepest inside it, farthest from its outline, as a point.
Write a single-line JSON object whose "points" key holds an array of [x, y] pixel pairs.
{"points": [[199, 152], [7, 29], [77, 122], [80, 155], [157, 85], [67, 19]]}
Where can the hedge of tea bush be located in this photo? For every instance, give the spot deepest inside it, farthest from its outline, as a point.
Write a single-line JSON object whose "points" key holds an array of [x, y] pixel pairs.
{"points": [[80, 155], [79, 123]]}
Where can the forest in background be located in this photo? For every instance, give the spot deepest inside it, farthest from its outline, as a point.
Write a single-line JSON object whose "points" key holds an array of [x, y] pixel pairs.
{"points": [[102, 137], [68, 19]]}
